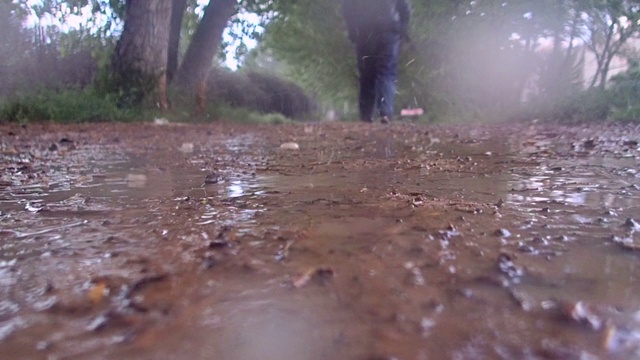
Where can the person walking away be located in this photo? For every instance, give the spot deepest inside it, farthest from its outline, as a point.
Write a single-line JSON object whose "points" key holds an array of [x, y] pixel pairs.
{"points": [[376, 27]]}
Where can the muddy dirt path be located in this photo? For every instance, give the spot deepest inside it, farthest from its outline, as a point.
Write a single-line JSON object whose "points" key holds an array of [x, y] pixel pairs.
{"points": [[403, 242]]}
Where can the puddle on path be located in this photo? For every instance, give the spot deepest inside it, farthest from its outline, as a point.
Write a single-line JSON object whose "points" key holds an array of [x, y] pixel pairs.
{"points": [[365, 244]]}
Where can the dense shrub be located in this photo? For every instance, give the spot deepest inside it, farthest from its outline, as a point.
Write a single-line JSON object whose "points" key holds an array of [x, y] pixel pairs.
{"points": [[580, 106], [590, 105], [625, 94], [619, 101], [260, 92], [243, 97]]}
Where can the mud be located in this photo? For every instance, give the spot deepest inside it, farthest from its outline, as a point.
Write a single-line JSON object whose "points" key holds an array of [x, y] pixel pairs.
{"points": [[135, 241]]}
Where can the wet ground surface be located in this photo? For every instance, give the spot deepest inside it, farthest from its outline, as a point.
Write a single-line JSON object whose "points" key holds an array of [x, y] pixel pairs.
{"points": [[402, 242]]}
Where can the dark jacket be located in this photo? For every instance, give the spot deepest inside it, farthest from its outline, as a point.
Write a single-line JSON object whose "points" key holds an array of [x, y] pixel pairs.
{"points": [[366, 17]]}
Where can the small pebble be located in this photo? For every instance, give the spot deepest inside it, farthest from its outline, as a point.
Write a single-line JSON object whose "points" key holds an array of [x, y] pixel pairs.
{"points": [[503, 233], [290, 146]]}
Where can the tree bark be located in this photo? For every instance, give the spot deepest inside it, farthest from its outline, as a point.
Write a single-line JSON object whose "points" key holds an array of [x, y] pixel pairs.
{"points": [[601, 56], [177, 14], [203, 48], [568, 58], [614, 50], [139, 63]]}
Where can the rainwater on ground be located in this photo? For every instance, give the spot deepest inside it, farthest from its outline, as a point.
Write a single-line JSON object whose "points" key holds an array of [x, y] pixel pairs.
{"points": [[135, 241]]}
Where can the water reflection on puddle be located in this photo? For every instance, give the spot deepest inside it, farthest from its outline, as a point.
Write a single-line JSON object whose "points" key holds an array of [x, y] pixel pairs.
{"points": [[34, 214], [590, 183], [585, 202]]}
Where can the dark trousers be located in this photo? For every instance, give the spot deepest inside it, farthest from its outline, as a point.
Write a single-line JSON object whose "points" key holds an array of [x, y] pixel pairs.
{"points": [[378, 69]]}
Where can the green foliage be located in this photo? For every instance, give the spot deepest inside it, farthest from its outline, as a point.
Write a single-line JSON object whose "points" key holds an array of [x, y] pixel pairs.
{"points": [[182, 110], [260, 92], [76, 106], [584, 106], [608, 24], [461, 60], [466, 60], [309, 36], [129, 87], [620, 101], [625, 94], [102, 18], [64, 106], [44, 56]]}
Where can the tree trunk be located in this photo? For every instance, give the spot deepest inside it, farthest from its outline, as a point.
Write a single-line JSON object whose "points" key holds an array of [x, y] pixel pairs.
{"points": [[601, 58], [139, 63], [177, 14], [204, 46], [568, 58], [613, 51]]}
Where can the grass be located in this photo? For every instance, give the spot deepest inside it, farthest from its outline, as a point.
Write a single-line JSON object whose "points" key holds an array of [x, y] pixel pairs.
{"points": [[69, 106], [85, 106]]}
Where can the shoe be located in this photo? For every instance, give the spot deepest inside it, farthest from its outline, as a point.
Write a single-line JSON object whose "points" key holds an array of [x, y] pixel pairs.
{"points": [[385, 120]]}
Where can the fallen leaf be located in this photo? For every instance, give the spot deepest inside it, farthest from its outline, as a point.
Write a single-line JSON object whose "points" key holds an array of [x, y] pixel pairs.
{"points": [[322, 274], [98, 292]]}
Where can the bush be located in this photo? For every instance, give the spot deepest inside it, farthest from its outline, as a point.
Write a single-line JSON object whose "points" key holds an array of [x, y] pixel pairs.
{"points": [[583, 106], [620, 101], [625, 94], [260, 92], [63, 106]]}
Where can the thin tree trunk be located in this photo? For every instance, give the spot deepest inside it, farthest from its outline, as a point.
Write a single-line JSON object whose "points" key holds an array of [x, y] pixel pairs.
{"points": [[568, 60], [596, 76], [204, 46], [614, 49], [601, 58], [139, 63], [177, 14], [607, 55]]}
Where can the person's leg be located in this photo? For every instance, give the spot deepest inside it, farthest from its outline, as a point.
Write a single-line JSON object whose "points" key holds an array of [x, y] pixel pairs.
{"points": [[367, 72], [387, 73]]}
